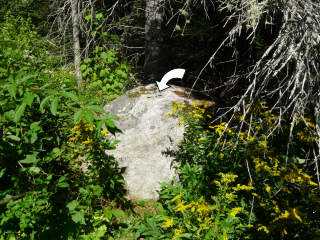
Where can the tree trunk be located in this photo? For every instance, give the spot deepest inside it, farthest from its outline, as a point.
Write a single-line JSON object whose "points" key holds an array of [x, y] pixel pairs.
{"points": [[76, 42], [154, 57]]}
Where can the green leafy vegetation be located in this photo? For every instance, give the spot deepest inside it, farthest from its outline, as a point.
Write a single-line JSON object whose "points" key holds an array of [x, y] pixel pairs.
{"points": [[225, 194], [106, 78], [45, 193], [255, 176]]}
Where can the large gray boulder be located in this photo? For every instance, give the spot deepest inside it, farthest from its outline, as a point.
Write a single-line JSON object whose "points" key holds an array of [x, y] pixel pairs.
{"points": [[149, 136]]}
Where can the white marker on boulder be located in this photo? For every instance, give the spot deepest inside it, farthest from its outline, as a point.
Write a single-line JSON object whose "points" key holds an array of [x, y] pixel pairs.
{"points": [[175, 73]]}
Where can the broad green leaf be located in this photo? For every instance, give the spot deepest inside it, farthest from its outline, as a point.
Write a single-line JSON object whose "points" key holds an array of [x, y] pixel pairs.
{"points": [[64, 177], [117, 213], [97, 190], [29, 100], [102, 73], [27, 77], [100, 123], [78, 217], [69, 95], [54, 106], [83, 237], [34, 170], [99, 16], [63, 184], [19, 112], [83, 67], [19, 75], [34, 137], [2, 172], [87, 60], [104, 55], [72, 205], [88, 116], [116, 142], [209, 234], [88, 17], [45, 100], [13, 138], [77, 116], [100, 232], [224, 223], [48, 179], [30, 158], [108, 214], [12, 89], [3, 70], [34, 124], [52, 92], [112, 117], [10, 78], [110, 124], [83, 191], [81, 97], [96, 108], [183, 236]]}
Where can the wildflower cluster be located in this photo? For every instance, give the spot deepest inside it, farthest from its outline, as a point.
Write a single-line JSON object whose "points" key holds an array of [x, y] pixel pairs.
{"points": [[198, 213], [306, 133], [189, 112], [224, 193], [83, 134], [261, 150], [199, 218], [273, 178]]}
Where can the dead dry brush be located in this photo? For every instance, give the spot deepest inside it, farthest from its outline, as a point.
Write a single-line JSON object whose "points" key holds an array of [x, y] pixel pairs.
{"points": [[286, 74]]}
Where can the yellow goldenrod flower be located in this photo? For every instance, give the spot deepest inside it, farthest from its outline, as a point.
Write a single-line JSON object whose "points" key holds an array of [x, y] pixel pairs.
{"points": [[235, 211], [105, 133], [193, 206], [283, 232], [229, 196], [197, 116], [178, 231], [178, 197], [169, 222], [264, 228], [181, 207], [256, 195], [225, 237], [268, 189]]}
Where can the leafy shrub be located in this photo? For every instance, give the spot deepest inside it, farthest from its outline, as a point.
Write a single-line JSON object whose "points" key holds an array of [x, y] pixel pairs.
{"points": [[106, 76], [107, 72], [45, 194], [280, 200]]}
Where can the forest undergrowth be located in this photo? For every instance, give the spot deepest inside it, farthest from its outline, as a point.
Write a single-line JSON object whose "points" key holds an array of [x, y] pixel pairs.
{"points": [[236, 180]]}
